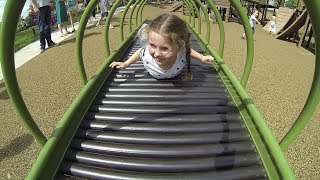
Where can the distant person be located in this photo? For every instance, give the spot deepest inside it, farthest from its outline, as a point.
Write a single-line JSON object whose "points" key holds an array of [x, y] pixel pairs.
{"points": [[104, 7], [272, 26], [62, 17], [72, 6], [212, 16], [253, 20], [43, 7], [86, 2], [24, 24]]}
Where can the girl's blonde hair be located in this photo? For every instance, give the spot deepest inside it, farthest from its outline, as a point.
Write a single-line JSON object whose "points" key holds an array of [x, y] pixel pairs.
{"points": [[176, 30]]}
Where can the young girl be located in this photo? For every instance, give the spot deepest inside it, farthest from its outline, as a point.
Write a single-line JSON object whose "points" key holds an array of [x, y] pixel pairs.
{"points": [[272, 27], [168, 49], [253, 19]]}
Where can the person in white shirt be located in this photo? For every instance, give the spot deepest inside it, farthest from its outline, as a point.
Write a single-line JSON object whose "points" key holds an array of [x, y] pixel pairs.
{"points": [[253, 20]]}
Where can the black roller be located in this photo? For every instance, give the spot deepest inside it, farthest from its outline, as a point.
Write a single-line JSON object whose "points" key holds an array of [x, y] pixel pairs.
{"points": [[163, 118], [163, 151], [92, 172], [161, 138]]}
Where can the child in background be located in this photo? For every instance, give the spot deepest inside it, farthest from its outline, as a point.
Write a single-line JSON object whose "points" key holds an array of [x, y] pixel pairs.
{"points": [[168, 49], [272, 27], [253, 20], [104, 7]]}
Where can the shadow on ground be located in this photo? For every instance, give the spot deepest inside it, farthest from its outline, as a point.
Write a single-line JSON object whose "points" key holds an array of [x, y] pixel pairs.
{"points": [[3, 92], [73, 39], [16, 146]]}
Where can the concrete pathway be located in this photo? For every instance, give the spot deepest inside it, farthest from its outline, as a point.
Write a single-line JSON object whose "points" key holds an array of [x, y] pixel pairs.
{"points": [[32, 50]]}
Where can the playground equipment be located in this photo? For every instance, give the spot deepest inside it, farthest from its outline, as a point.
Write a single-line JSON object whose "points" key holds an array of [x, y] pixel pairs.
{"points": [[284, 15], [118, 127], [176, 7], [224, 5], [294, 27], [307, 31]]}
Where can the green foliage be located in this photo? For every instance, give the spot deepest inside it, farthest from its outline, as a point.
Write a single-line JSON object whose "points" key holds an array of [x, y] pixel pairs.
{"points": [[291, 3]]}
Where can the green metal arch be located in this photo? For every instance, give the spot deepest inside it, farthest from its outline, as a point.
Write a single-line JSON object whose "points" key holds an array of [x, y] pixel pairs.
{"points": [[9, 24], [207, 20], [139, 10], [107, 25], [143, 5], [122, 19], [79, 40], [190, 13], [249, 37], [313, 7], [194, 7], [131, 13], [221, 27]]}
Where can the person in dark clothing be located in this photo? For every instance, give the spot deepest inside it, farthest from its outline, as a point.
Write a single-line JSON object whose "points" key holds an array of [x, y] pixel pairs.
{"points": [[43, 7]]}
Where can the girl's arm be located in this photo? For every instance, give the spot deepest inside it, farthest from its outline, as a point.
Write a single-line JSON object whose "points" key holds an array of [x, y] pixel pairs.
{"points": [[202, 58], [256, 20], [122, 65]]}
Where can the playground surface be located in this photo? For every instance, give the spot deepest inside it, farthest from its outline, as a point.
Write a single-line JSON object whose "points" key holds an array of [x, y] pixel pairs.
{"points": [[279, 84]]}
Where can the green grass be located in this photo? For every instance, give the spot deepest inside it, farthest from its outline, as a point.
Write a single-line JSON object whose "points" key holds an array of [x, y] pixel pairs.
{"points": [[23, 38]]}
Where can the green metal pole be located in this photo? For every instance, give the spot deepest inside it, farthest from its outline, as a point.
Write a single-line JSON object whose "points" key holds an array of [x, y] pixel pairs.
{"points": [[189, 12], [313, 7], [106, 27], [249, 37], [79, 40], [144, 4], [207, 20], [138, 10], [261, 124], [131, 13], [9, 24], [122, 19], [198, 14], [192, 13], [221, 27]]}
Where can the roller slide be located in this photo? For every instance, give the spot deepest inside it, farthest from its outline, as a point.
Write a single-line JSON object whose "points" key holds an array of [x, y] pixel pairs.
{"points": [[142, 128]]}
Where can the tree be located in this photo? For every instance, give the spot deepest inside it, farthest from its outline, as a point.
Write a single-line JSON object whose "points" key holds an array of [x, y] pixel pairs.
{"points": [[291, 3]]}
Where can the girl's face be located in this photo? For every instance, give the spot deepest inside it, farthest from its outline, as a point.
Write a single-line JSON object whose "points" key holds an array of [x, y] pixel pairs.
{"points": [[162, 50]]}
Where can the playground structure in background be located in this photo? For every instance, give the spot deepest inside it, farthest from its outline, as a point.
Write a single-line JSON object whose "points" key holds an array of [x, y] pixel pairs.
{"points": [[289, 21], [289, 25]]}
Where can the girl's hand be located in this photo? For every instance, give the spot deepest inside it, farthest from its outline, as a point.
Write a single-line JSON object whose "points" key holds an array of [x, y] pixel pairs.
{"points": [[207, 59], [118, 65]]}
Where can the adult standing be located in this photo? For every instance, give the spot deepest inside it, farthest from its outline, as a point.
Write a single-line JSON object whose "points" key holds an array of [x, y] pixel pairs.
{"points": [[62, 17], [73, 12], [43, 7]]}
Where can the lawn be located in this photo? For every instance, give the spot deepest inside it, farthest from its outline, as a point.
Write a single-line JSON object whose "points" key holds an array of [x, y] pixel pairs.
{"points": [[24, 38]]}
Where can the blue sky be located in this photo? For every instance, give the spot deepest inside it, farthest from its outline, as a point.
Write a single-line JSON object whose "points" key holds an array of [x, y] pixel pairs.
{"points": [[24, 11]]}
